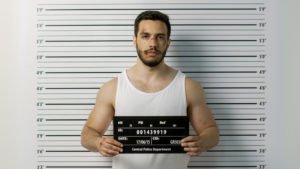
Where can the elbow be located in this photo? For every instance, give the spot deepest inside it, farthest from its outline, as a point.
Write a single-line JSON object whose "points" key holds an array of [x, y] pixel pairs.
{"points": [[217, 139], [83, 136], [217, 136]]}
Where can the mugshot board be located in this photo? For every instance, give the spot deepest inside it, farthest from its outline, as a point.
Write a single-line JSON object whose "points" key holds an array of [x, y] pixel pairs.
{"points": [[220, 44]]}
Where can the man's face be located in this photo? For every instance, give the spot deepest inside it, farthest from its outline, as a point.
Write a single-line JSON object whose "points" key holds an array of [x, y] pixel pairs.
{"points": [[151, 42]]}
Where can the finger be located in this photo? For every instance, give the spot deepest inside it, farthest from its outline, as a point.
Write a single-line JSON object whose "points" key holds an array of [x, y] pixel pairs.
{"points": [[111, 151], [190, 144], [189, 139], [107, 147], [111, 148], [193, 151], [193, 154], [107, 154], [114, 142]]}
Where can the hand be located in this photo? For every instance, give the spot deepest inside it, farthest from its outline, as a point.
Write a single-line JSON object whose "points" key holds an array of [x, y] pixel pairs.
{"points": [[108, 147], [192, 145]]}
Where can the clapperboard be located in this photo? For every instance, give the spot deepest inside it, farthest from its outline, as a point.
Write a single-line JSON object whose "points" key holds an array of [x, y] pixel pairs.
{"points": [[151, 134]]}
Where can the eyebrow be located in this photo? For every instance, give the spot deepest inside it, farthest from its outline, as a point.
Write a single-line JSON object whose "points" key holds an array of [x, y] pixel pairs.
{"points": [[157, 34]]}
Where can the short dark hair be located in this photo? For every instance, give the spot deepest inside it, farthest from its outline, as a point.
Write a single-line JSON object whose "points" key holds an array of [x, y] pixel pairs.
{"points": [[152, 15]]}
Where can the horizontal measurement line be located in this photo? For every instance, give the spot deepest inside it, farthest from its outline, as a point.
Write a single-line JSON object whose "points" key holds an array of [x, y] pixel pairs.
{"points": [[238, 129], [211, 92], [77, 72], [66, 151], [125, 19], [127, 9], [212, 56], [233, 135], [192, 76], [239, 98], [244, 145], [64, 98], [129, 51], [241, 155], [200, 61], [181, 40], [88, 40], [237, 119], [230, 88], [78, 166], [73, 25], [219, 71], [243, 161], [195, 30], [53, 104], [70, 156], [63, 88], [232, 151], [234, 103], [59, 140], [68, 98], [66, 109], [179, 45], [153, 3], [78, 88], [66, 119], [222, 14], [85, 161], [109, 66], [223, 166], [62, 135], [202, 82], [183, 72], [59, 130], [256, 124], [59, 104]]}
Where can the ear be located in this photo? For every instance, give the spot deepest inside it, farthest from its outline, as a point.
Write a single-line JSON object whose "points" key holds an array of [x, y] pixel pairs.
{"points": [[169, 42], [134, 41]]}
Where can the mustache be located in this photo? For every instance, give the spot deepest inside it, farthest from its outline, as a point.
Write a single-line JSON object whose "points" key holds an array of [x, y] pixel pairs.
{"points": [[152, 50]]}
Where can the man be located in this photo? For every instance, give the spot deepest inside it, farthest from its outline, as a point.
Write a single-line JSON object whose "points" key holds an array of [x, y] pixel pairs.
{"points": [[150, 88]]}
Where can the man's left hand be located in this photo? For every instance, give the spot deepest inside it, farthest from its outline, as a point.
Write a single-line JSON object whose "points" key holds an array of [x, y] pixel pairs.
{"points": [[192, 145]]}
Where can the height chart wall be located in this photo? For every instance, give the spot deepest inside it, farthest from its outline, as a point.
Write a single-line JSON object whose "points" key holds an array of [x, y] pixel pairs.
{"points": [[220, 43]]}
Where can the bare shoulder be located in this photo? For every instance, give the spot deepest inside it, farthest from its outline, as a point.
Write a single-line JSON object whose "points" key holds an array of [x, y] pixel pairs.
{"points": [[110, 85], [194, 90], [192, 84], [107, 91]]}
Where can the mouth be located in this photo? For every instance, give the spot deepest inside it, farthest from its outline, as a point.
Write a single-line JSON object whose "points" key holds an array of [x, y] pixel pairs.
{"points": [[152, 52]]}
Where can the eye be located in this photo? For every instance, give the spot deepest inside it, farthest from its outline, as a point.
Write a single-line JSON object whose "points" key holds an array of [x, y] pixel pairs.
{"points": [[161, 37], [145, 36]]}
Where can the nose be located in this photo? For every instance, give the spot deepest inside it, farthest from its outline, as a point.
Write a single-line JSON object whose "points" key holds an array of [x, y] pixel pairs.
{"points": [[153, 42]]}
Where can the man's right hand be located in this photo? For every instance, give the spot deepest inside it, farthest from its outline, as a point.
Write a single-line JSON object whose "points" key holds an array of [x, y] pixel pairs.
{"points": [[108, 147]]}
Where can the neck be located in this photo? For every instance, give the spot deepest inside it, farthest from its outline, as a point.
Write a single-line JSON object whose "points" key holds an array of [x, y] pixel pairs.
{"points": [[151, 79], [142, 71]]}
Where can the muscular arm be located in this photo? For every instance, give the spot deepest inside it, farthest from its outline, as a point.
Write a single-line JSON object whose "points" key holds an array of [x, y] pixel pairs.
{"points": [[99, 120], [207, 133]]}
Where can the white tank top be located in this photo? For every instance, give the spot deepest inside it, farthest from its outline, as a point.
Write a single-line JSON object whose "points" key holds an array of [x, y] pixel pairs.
{"points": [[170, 101]]}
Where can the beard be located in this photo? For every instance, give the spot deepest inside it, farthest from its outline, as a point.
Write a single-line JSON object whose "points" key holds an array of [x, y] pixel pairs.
{"points": [[154, 62]]}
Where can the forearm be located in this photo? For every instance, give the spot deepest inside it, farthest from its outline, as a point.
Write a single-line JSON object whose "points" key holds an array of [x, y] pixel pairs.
{"points": [[89, 138], [209, 137]]}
